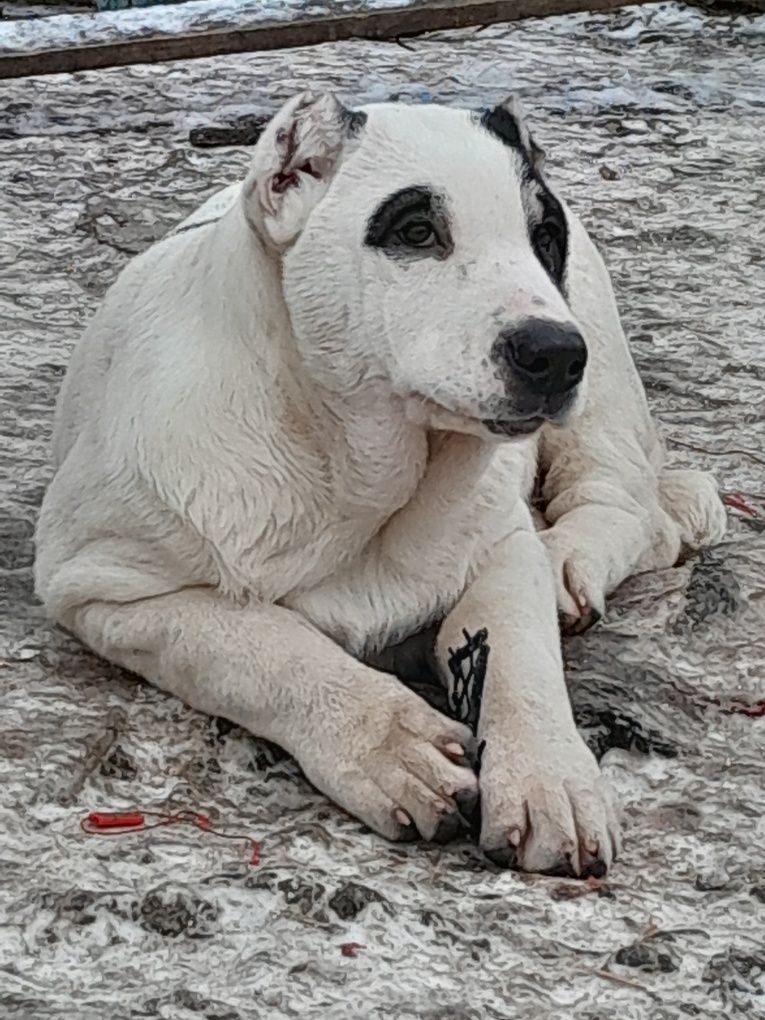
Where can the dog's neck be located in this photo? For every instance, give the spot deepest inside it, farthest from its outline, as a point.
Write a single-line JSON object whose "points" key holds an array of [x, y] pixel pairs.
{"points": [[377, 452], [361, 435]]}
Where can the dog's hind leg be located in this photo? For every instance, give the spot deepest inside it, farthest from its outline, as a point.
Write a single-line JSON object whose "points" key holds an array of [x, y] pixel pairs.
{"points": [[374, 747]]}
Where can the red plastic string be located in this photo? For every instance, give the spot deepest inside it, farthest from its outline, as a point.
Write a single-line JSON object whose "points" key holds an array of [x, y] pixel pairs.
{"points": [[735, 706], [737, 502], [755, 710], [121, 823]]}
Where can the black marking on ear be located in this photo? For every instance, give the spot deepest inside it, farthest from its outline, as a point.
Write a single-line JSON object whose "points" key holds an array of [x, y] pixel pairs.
{"points": [[354, 121], [503, 125], [468, 668]]}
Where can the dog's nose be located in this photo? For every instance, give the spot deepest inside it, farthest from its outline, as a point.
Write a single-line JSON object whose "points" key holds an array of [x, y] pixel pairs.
{"points": [[547, 357]]}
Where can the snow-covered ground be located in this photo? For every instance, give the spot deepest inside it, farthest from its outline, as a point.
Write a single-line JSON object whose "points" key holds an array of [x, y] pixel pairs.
{"points": [[653, 120]]}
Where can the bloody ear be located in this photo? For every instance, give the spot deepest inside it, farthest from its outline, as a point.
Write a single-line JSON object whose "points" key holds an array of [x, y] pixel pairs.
{"points": [[294, 162]]}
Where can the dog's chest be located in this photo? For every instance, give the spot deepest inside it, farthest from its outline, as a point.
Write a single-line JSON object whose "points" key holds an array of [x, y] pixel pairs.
{"points": [[336, 502], [375, 467]]}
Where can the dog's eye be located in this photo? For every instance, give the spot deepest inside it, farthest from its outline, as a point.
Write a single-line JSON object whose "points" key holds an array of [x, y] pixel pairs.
{"points": [[411, 224], [548, 229], [547, 234], [549, 240], [418, 234]]}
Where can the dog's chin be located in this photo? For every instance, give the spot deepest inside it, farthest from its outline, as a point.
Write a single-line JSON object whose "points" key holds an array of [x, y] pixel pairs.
{"points": [[437, 418], [512, 428], [434, 416], [516, 428]]}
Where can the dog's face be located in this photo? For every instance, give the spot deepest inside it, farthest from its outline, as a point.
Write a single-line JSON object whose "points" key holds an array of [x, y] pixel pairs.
{"points": [[432, 259]]}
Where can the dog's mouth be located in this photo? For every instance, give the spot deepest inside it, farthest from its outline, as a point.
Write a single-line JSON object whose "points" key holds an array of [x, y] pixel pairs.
{"points": [[513, 426], [553, 410]]}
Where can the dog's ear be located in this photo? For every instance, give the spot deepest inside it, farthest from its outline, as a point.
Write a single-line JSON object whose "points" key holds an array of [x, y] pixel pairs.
{"points": [[506, 121], [294, 161]]}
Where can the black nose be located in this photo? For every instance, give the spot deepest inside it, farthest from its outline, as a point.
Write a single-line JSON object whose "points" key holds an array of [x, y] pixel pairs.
{"points": [[547, 357]]}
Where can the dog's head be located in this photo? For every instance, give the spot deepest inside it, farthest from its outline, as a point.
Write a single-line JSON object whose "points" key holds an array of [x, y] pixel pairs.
{"points": [[422, 250]]}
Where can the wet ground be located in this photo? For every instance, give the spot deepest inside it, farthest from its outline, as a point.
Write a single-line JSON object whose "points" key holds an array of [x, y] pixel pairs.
{"points": [[653, 120]]}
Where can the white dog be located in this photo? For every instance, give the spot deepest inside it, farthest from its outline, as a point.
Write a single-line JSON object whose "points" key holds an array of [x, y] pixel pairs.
{"points": [[306, 426]]}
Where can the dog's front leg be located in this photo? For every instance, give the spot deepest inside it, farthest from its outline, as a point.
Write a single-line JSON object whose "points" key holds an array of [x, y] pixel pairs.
{"points": [[377, 749], [613, 506], [544, 804], [598, 543]]}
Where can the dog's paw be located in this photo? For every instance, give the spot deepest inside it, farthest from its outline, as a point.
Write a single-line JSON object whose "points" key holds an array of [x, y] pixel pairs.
{"points": [[581, 578], [546, 808], [401, 767], [692, 500]]}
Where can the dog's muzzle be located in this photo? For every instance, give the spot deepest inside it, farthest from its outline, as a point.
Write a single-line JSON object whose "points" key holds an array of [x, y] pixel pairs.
{"points": [[546, 359], [543, 364]]}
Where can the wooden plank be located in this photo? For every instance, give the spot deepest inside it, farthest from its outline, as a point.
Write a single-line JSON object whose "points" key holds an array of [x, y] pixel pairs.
{"points": [[50, 50]]}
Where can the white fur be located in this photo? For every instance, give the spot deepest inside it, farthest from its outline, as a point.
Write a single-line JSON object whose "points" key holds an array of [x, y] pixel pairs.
{"points": [[269, 455]]}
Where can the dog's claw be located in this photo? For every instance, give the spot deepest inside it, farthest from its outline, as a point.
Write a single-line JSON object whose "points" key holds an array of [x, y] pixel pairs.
{"points": [[447, 829], [596, 869], [572, 625], [562, 868], [462, 754], [503, 856], [593, 865], [408, 832], [468, 805]]}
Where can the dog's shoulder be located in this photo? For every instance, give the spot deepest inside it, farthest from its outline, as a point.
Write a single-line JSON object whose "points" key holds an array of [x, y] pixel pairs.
{"points": [[211, 210]]}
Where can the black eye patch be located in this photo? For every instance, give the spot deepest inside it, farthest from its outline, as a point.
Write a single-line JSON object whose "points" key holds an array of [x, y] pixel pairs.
{"points": [[548, 231], [546, 220], [411, 224]]}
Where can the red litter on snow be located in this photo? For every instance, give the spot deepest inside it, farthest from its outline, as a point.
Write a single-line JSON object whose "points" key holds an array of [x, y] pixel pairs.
{"points": [[122, 823], [114, 820], [755, 710], [351, 949], [737, 502]]}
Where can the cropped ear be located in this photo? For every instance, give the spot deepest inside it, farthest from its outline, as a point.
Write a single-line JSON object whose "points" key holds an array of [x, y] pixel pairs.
{"points": [[506, 121], [294, 162]]}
